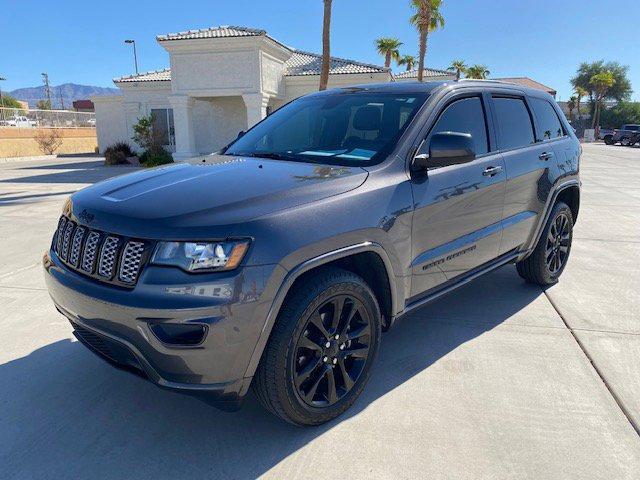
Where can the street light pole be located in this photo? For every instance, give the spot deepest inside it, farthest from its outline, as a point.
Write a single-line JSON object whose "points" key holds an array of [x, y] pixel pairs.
{"points": [[1, 101], [135, 54]]}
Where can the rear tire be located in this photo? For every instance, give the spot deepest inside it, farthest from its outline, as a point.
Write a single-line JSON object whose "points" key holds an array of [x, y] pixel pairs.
{"points": [[317, 362], [549, 258]]}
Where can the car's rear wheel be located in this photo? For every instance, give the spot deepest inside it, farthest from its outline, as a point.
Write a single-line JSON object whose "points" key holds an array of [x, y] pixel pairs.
{"points": [[321, 349], [549, 258]]}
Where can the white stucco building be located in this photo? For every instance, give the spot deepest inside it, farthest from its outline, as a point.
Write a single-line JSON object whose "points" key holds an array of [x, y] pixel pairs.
{"points": [[221, 80]]}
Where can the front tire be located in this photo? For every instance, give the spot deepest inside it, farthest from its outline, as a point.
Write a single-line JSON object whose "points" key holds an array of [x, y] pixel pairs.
{"points": [[608, 139], [321, 349], [548, 260]]}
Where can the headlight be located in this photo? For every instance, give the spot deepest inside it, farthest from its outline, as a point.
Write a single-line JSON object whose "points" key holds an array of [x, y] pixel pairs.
{"points": [[201, 256]]}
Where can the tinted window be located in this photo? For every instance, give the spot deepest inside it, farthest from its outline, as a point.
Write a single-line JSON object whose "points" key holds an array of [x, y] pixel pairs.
{"points": [[465, 116], [549, 126], [514, 123], [339, 128], [633, 128]]}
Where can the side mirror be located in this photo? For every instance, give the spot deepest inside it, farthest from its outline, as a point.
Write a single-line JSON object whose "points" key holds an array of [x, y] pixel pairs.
{"points": [[240, 134], [446, 148]]}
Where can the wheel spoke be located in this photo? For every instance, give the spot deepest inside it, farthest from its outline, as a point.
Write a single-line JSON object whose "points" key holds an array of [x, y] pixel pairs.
{"points": [[316, 321], [338, 305], [311, 393], [306, 372], [357, 352], [350, 314], [346, 378], [361, 331], [309, 344], [332, 394]]}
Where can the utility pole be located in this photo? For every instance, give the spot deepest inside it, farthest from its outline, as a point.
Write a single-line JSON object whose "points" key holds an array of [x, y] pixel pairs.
{"points": [[61, 99], [135, 54], [47, 89]]}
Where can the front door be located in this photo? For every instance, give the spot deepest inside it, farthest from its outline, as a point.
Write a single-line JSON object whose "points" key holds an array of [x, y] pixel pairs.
{"points": [[458, 208]]}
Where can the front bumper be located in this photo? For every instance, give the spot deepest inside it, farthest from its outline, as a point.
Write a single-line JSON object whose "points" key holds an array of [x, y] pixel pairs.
{"points": [[116, 324]]}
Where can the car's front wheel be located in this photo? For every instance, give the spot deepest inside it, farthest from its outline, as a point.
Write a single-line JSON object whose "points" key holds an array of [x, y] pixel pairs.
{"points": [[321, 349], [608, 139]]}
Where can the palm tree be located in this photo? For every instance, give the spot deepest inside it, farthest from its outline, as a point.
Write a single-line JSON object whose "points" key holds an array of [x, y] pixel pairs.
{"points": [[580, 92], [326, 47], [479, 72], [426, 19], [389, 48], [571, 105], [459, 67], [601, 83], [408, 60]]}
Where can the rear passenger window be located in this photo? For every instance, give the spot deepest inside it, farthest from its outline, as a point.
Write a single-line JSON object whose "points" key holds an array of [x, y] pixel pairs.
{"points": [[514, 123], [465, 116], [548, 121]]}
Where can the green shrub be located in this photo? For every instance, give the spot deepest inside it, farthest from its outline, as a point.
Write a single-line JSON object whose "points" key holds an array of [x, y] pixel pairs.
{"points": [[153, 158], [117, 154]]}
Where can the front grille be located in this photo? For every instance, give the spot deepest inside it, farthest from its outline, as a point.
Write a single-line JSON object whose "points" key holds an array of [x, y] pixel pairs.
{"points": [[106, 257]]}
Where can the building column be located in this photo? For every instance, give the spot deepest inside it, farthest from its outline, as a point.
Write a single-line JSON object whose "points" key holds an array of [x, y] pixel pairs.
{"points": [[182, 106], [256, 104]]}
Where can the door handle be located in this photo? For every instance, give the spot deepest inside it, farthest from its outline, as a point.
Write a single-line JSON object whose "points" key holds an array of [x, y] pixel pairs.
{"points": [[545, 156], [491, 171]]}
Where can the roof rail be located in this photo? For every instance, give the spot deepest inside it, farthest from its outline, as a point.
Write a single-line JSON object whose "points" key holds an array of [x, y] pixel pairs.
{"points": [[488, 80]]}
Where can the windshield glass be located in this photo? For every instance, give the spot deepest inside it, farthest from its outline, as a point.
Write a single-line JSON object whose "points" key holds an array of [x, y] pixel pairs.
{"points": [[346, 128]]}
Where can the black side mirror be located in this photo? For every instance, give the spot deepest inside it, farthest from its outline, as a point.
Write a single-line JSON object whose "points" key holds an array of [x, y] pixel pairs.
{"points": [[446, 148], [240, 134]]}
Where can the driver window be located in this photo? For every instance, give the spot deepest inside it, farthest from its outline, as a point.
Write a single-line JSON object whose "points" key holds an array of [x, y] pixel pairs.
{"points": [[464, 116]]}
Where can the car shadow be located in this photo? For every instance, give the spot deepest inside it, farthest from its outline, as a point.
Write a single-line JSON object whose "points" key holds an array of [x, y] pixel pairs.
{"points": [[66, 413]]}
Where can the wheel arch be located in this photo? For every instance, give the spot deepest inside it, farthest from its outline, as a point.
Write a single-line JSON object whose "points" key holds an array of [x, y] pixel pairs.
{"points": [[353, 258]]}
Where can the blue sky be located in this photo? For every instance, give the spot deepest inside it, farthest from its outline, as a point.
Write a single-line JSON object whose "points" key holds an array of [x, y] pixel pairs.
{"points": [[81, 42]]}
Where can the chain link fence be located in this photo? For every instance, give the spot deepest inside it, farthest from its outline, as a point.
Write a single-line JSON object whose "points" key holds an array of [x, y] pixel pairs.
{"points": [[31, 118]]}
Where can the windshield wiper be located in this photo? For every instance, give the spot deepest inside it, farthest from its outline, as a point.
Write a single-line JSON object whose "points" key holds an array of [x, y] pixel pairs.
{"points": [[271, 155]]}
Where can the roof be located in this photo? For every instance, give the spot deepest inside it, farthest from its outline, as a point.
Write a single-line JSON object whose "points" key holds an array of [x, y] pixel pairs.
{"points": [[428, 72], [223, 31], [299, 64], [527, 82], [163, 75], [305, 63]]}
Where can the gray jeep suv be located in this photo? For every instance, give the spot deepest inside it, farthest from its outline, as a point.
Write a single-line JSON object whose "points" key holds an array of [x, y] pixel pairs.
{"points": [[277, 262]]}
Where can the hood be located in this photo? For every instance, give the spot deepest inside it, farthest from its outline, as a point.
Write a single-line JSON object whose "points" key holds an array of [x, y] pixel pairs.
{"points": [[210, 191]]}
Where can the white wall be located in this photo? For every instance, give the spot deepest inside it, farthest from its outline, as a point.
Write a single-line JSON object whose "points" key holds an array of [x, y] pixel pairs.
{"points": [[296, 86], [110, 121], [217, 121]]}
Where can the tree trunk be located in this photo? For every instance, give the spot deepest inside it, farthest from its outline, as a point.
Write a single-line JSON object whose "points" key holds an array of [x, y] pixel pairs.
{"points": [[457, 75], [326, 47], [422, 53], [409, 66], [387, 60]]}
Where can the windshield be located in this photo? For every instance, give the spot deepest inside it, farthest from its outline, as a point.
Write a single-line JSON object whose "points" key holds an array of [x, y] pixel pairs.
{"points": [[346, 128]]}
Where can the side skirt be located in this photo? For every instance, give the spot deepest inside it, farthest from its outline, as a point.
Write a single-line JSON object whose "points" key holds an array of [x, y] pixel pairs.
{"points": [[457, 282]]}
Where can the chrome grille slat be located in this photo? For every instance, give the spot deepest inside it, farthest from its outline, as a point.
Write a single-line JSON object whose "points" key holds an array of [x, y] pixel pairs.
{"points": [[60, 233], [76, 246], [130, 263], [108, 257], [90, 251], [66, 240]]}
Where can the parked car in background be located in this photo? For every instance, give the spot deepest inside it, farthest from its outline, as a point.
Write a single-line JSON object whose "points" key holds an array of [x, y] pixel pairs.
{"points": [[21, 121], [623, 135], [605, 133], [278, 262]]}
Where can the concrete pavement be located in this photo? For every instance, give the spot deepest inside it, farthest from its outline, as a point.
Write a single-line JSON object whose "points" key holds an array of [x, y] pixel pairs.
{"points": [[471, 386]]}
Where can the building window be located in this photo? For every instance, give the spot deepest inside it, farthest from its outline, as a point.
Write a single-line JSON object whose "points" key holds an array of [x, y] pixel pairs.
{"points": [[163, 125]]}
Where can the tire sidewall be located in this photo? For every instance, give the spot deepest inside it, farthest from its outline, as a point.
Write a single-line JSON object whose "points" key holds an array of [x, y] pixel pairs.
{"points": [[298, 410]]}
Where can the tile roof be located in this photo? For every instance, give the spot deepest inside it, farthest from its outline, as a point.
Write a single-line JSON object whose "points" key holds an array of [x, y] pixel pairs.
{"points": [[223, 31], [428, 72], [527, 82], [305, 63], [163, 75]]}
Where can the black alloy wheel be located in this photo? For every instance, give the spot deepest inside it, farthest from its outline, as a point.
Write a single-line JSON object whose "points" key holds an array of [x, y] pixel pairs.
{"points": [[332, 351], [557, 247]]}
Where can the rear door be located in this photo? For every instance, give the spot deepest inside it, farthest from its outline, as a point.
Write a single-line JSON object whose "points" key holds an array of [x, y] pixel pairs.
{"points": [[527, 168], [456, 224]]}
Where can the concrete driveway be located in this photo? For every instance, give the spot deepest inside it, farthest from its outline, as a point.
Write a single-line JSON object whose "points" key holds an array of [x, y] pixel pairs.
{"points": [[498, 380]]}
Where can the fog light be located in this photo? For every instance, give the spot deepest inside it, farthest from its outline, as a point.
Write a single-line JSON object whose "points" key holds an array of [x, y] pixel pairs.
{"points": [[179, 334]]}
